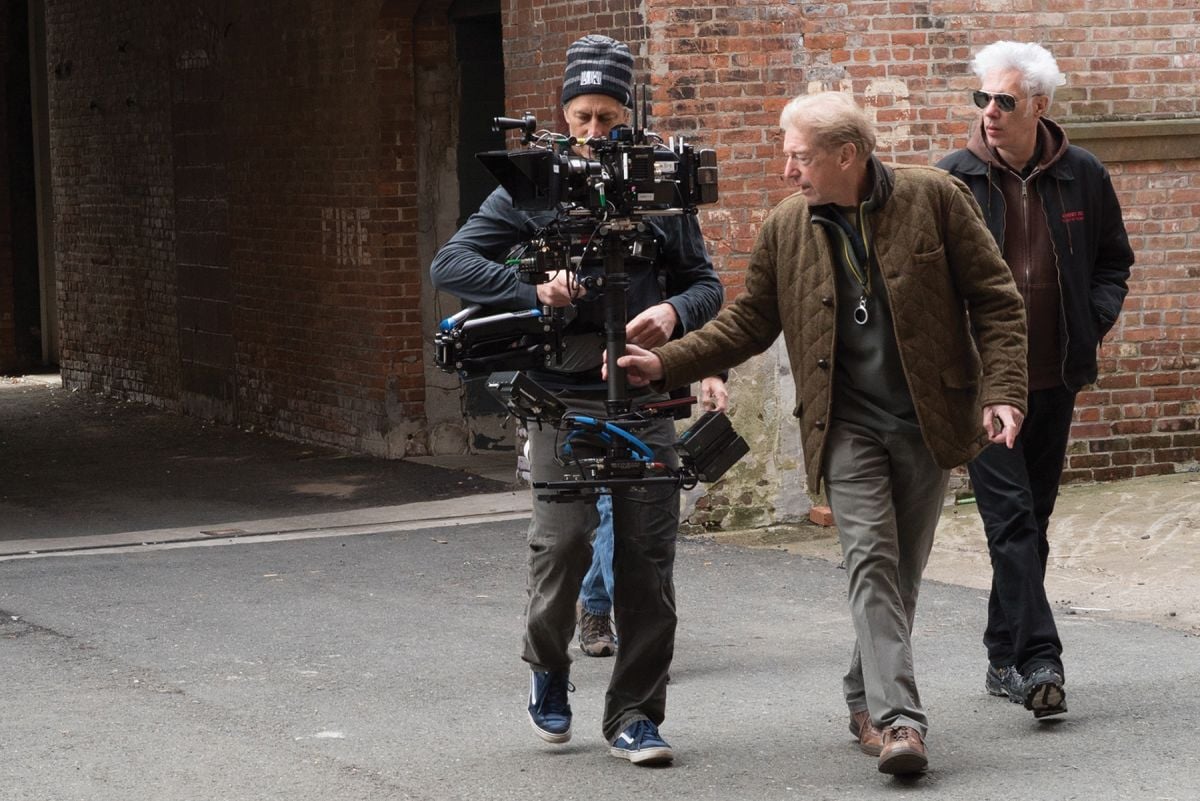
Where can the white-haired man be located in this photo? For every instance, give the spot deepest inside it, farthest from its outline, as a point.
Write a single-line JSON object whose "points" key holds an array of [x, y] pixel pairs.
{"points": [[1052, 210], [870, 271]]}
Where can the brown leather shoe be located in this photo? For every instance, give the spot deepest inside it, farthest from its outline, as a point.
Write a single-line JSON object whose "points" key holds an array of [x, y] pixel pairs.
{"points": [[870, 738], [903, 751]]}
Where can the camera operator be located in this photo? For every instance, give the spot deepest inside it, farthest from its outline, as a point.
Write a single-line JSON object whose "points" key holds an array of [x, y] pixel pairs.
{"points": [[675, 294]]}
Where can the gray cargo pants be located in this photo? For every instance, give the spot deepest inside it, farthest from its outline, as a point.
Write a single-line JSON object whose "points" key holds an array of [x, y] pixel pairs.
{"points": [[886, 493], [645, 524]]}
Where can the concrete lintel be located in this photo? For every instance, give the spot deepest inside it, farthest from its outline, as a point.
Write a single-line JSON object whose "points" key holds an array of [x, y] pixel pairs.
{"points": [[1139, 140]]}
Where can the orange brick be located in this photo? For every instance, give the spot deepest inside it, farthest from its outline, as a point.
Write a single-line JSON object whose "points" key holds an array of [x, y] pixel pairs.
{"points": [[821, 515]]}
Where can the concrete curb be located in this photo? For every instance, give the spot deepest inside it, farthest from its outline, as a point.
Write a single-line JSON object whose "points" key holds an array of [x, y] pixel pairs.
{"points": [[453, 511]]}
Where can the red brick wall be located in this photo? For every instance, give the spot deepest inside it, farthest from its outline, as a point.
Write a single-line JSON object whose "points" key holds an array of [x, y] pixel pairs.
{"points": [[110, 152], [235, 197], [318, 285], [1141, 416], [397, 216]]}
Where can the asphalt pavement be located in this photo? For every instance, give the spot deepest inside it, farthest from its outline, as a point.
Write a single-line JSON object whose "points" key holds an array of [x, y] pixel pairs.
{"points": [[369, 649]]}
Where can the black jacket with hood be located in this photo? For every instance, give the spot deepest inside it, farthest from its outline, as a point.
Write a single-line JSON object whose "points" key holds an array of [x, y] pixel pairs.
{"points": [[1091, 249]]}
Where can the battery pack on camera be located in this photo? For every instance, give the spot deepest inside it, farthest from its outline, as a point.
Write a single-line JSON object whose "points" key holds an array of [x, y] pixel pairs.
{"points": [[710, 446]]}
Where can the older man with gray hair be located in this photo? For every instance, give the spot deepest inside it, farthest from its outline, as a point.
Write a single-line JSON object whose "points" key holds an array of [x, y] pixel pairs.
{"points": [[876, 275], [1052, 210]]}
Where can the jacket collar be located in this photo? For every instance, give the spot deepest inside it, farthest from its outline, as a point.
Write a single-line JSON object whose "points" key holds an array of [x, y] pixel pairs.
{"points": [[1052, 140], [883, 179]]}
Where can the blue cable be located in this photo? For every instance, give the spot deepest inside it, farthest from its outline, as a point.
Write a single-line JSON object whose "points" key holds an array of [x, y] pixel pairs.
{"points": [[641, 450]]}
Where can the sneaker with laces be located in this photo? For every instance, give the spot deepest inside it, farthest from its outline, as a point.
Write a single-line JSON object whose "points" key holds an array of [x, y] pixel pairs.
{"points": [[1045, 695], [549, 711], [641, 744], [596, 636], [1005, 682]]}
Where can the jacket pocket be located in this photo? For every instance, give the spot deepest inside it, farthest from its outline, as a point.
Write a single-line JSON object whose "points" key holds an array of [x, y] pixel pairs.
{"points": [[936, 253]]}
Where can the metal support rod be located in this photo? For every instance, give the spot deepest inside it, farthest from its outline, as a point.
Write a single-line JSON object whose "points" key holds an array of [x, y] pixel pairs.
{"points": [[616, 287]]}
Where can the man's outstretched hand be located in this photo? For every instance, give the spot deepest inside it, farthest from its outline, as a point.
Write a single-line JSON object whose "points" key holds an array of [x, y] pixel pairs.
{"points": [[641, 366]]}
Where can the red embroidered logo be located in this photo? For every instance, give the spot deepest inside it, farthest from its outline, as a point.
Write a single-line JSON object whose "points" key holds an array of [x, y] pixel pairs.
{"points": [[1072, 216]]}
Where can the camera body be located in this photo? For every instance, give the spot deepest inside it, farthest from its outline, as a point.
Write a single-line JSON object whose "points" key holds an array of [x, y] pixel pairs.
{"points": [[627, 174]]}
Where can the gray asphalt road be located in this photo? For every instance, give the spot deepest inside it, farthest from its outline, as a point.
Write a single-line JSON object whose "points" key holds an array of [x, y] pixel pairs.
{"points": [[385, 667]]}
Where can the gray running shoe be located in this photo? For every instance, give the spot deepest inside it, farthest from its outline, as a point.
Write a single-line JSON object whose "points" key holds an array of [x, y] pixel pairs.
{"points": [[1005, 682], [1045, 695]]}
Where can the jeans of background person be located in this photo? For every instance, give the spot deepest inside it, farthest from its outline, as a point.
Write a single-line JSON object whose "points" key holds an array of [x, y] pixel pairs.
{"points": [[596, 593], [1015, 491]]}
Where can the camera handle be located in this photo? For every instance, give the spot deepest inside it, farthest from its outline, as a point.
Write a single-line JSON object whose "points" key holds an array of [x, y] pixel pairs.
{"points": [[616, 290]]}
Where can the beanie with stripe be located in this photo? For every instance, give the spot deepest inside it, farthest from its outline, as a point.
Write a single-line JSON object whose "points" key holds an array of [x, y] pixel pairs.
{"points": [[598, 65]]}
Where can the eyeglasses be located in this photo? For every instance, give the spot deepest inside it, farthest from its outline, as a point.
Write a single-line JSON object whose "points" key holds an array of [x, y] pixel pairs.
{"points": [[1005, 103]]}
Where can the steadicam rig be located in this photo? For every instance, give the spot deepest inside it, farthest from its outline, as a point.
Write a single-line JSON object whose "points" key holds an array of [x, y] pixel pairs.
{"points": [[602, 204]]}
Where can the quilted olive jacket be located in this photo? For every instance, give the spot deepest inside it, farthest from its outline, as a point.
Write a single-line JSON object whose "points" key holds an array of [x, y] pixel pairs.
{"points": [[959, 320]]}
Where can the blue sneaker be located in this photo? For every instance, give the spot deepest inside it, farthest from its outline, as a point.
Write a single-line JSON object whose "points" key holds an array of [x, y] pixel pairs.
{"points": [[549, 711], [641, 744]]}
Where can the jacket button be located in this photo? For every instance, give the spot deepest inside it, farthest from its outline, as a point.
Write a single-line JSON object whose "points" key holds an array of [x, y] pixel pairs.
{"points": [[823, 364], [827, 301], [820, 424]]}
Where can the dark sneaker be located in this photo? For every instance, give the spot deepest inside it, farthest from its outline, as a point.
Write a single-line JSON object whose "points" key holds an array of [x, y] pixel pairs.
{"points": [[641, 744], [549, 711], [1045, 696], [1005, 682], [596, 636]]}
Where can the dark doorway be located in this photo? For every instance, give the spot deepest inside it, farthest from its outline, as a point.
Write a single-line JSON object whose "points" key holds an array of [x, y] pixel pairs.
{"points": [[479, 43], [21, 209], [478, 40]]}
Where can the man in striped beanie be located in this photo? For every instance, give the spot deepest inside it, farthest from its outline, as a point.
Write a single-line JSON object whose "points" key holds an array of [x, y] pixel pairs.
{"points": [[597, 88], [597, 64]]}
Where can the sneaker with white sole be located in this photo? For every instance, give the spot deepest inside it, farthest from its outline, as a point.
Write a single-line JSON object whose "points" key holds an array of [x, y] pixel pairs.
{"points": [[641, 744], [549, 710]]}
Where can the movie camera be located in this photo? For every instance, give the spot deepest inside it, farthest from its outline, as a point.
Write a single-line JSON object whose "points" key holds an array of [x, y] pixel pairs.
{"points": [[604, 192]]}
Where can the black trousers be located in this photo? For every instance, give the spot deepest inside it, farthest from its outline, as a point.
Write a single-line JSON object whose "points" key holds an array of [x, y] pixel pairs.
{"points": [[1015, 490]]}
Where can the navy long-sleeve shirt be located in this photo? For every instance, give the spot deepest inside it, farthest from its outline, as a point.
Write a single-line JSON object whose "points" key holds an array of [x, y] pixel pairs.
{"points": [[471, 266]]}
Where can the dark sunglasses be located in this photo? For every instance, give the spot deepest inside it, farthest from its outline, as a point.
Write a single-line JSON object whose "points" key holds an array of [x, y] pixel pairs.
{"points": [[1004, 102]]}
